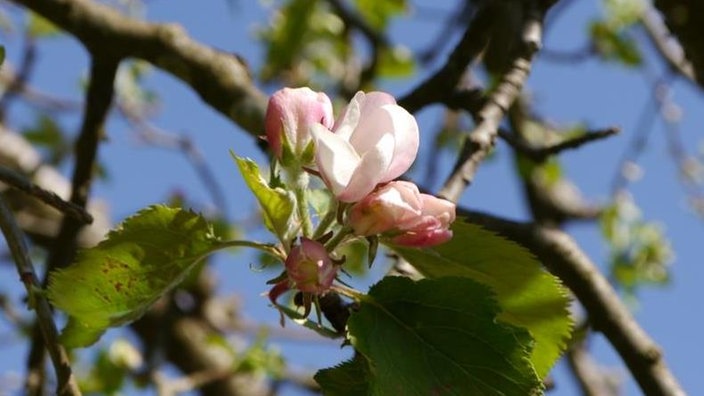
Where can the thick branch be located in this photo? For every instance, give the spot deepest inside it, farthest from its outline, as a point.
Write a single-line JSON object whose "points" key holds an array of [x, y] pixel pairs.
{"points": [[668, 48], [98, 102], [563, 257], [685, 18], [220, 78], [15, 241]]}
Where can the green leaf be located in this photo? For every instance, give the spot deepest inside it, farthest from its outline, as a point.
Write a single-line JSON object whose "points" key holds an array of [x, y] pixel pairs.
{"points": [[347, 379], [379, 13], [613, 44], [38, 26], [396, 62], [529, 297], [277, 204], [116, 281], [2, 54], [440, 336]]}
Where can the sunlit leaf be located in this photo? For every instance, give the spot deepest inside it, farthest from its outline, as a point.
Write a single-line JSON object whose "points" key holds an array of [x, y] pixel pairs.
{"points": [[277, 204], [39, 27], [528, 296], [116, 281]]}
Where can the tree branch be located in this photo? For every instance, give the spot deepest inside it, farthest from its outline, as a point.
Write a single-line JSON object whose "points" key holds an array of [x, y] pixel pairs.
{"points": [[444, 81], [670, 50], [481, 140], [66, 383], [219, 78], [685, 18], [539, 154], [563, 257], [13, 179], [97, 106]]}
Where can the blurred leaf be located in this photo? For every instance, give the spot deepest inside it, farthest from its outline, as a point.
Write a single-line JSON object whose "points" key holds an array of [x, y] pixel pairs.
{"points": [[39, 27], [621, 14], [262, 359], [47, 134], [615, 45], [277, 204], [116, 281], [2, 54], [379, 13], [306, 45], [528, 296], [640, 253], [396, 62], [439, 336]]}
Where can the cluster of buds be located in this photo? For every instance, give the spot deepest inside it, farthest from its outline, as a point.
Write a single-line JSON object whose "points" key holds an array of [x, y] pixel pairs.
{"points": [[358, 157]]}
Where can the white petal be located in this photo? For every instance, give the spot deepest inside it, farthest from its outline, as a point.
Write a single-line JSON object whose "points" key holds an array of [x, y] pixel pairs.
{"points": [[345, 125], [372, 167], [407, 141], [335, 157]]}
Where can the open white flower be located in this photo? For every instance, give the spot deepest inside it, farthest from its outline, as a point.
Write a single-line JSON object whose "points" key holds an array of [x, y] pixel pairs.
{"points": [[374, 141]]}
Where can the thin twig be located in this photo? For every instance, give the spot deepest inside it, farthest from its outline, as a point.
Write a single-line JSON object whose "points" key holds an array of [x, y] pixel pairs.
{"points": [[15, 180], [15, 240], [26, 67], [481, 140], [539, 154], [35, 97]]}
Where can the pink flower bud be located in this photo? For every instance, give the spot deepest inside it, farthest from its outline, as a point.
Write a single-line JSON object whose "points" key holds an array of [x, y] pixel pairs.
{"points": [[374, 142], [310, 268], [406, 216], [433, 226], [394, 206], [289, 116]]}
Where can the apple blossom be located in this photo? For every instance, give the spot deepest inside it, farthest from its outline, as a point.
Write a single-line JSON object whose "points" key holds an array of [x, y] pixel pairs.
{"points": [[374, 142], [310, 268], [289, 116], [405, 215]]}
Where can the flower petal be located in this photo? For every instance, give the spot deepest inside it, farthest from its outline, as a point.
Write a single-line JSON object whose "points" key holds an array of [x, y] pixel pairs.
{"points": [[336, 158], [407, 141], [373, 165]]}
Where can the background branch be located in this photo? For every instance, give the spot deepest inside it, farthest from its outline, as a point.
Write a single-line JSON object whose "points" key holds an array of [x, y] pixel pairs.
{"points": [[219, 78], [12, 178], [66, 383], [97, 106], [481, 140]]}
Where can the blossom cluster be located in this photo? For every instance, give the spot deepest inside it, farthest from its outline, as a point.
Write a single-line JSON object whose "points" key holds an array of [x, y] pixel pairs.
{"points": [[358, 156]]}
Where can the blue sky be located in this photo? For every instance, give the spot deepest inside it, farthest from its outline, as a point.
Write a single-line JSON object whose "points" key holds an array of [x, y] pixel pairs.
{"points": [[592, 92]]}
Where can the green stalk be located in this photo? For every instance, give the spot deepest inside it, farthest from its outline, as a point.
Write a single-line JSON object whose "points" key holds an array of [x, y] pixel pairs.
{"points": [[325, 222]]}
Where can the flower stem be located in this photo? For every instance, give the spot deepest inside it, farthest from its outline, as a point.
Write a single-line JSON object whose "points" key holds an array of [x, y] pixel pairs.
{"points": [[338, 238], [264, 247], [301, 180], [325, 222]]}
